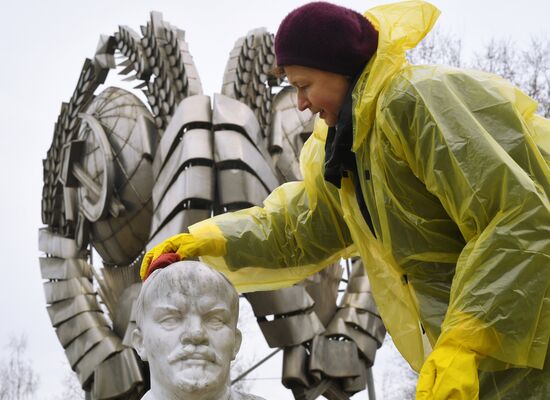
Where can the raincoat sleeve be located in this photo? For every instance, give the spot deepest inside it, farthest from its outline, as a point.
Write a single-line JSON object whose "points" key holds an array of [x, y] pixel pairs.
{"points": [[470, 138], [299, 230]]}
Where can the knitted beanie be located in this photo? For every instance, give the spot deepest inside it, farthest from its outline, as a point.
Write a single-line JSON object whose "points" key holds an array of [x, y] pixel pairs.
{"points": [[325, 36]]}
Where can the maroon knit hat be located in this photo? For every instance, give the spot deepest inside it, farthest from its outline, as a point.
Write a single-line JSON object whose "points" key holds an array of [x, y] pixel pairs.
{"points": [[326, 36]]}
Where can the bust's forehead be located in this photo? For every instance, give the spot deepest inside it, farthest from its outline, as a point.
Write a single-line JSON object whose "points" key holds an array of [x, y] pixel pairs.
{"points": [[189, 278]]}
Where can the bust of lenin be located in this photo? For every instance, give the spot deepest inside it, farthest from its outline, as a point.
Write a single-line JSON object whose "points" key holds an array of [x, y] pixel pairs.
{"points": [[186, 316]]}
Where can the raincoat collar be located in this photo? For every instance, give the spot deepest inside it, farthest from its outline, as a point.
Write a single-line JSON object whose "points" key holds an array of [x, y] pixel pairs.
{"points": [[338, 155]]}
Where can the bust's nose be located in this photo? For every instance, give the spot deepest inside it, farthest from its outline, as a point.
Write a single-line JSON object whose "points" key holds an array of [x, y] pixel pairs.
{"points": [[193, 332]]}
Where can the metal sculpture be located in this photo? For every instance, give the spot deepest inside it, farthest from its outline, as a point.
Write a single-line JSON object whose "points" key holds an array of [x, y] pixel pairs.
{"points": [[121, 177]]}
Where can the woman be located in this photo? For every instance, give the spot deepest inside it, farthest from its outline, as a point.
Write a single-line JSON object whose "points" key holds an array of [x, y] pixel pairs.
{"points": [[437, 177]]}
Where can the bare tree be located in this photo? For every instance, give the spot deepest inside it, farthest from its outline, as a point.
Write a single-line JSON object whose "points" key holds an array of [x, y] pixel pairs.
{"points": [[18, 380], [535, 67], [437, 48], [71, 386], [500, 57], [529, 69]]}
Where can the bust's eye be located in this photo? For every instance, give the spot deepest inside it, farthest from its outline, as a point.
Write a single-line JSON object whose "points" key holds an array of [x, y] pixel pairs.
{"points": [[215, 321], [169, 322]]}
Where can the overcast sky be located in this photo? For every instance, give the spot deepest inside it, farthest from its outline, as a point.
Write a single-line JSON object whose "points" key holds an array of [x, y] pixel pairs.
{"points": [[43, 45]]}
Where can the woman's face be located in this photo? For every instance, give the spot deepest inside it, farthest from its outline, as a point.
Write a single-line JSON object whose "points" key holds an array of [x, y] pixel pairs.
{"points": [[319, 91]]}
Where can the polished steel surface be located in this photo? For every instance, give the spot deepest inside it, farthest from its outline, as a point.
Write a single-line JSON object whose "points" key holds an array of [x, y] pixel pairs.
{"points": [[107, 347], [237, 186], [363, 301], [76, 326], [56, 245], [366, 344], [115, 159], [63, 310], [291, 330], [192, 183], [83, 343], [195, 146], [334, 358], [233, 149], [288, 131], [189, 182], [228, 111], [282, 301], [64, 268], [363, 321], [192, 110], [64, 289], [128, 370], [177, 224]]}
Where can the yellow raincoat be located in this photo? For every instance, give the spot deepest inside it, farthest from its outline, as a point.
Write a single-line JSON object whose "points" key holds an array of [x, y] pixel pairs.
{"points": [[457, 186]]}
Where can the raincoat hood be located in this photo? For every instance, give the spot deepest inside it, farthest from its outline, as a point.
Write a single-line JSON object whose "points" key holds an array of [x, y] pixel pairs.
{"points": [[401, 26]]}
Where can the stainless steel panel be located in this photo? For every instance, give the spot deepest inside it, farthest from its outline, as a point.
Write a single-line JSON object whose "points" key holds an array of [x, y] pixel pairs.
{"points": [[358, 284], [358, 383], [125, 294], [177, 224], [365, 343], [282, 301], [83, 343], [191, 109], [230, 146], [323, 289], [148, 134], [231, 111], [66, 309], [364, 321], [70, 200], [363, 301], [287, 164], [56, 245], [295, 366], [127, 339], [193, 182], [74, 327], [195, 144], [126, 367], [62, 290], [334, 358], [59, 268], [291, 330], [228, 89], [240, 186], [87, 364]]}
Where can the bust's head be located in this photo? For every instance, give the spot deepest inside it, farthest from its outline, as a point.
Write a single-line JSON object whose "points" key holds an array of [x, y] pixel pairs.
{"points": [[186, 316]]}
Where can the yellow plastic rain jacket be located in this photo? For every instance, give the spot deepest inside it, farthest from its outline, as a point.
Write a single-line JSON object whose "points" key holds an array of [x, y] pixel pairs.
{"points": [[458, 194]]}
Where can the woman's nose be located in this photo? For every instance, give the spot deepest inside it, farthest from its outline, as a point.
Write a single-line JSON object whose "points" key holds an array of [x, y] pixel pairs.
{"points": [[303, 102]]}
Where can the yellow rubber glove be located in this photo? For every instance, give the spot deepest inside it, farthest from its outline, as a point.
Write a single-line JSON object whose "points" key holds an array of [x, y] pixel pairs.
{"points": [[207, 240], [450, 372]]}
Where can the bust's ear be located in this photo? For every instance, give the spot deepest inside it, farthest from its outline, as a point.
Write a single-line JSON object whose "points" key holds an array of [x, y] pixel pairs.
{"points": [[137, 343], [238, 341]]}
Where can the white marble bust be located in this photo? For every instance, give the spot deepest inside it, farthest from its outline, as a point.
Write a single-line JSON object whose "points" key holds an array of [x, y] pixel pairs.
{"points": [[186, 316]]}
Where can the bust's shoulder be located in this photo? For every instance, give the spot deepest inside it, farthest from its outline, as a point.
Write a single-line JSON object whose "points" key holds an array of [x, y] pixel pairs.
{"points": [[148, 396]]}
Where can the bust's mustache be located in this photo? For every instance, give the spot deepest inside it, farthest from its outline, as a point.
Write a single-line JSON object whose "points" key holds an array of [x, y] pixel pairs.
{"points": [[192, 352]]}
